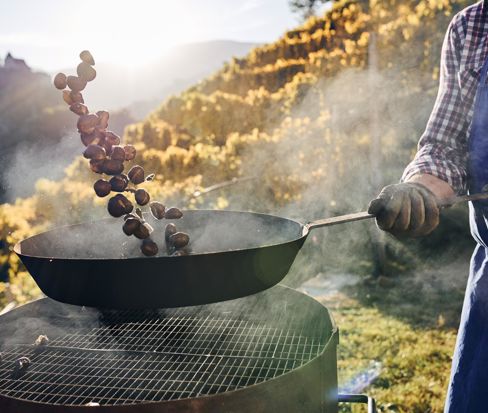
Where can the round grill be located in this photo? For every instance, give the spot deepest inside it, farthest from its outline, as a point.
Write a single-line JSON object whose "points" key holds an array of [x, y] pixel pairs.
{"points": [[131, 357]]}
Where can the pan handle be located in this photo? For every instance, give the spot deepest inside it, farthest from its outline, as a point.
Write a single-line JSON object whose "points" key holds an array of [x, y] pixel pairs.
{"points": [[358, 216], [358, 398]]}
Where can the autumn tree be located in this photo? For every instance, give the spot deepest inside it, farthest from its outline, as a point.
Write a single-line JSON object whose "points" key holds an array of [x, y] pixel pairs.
{"points": [[305, 8]]}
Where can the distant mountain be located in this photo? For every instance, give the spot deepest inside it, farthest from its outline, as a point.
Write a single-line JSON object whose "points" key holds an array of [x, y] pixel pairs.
{"points": [[37, 131], [143, 88], [33, 117]]}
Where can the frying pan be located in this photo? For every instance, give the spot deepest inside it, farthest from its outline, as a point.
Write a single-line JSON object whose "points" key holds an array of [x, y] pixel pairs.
{"points": [[234, 254]]}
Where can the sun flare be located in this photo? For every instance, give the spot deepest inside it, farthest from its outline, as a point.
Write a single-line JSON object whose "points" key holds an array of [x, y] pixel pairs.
{"points": [[135, 34]]}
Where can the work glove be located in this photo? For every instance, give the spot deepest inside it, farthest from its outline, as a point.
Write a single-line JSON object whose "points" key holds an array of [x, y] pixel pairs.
{"points": [[405, 210]]}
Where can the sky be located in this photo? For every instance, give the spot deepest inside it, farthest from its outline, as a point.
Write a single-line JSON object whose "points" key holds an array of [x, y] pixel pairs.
{"points": [[49, 34]]}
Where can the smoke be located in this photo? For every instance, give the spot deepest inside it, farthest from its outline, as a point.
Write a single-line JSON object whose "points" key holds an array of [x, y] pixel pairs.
{"points": [[30, 163], [347, 138], [209, 231], [324, 285]]}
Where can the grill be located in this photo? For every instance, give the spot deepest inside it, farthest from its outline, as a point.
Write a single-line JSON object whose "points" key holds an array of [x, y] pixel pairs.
{"points": [[273, 350], [155, 357]]}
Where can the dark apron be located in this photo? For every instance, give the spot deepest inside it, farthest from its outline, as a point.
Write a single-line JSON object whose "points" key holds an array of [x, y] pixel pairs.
{"points": [[468, 388]]}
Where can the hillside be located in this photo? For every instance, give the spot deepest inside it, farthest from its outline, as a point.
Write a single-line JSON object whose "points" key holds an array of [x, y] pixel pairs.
{"points": [[30, 116]]}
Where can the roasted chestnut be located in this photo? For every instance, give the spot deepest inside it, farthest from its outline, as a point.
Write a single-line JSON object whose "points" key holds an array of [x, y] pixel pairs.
{"points": [[60, 81], [136, 174], [102, 187], [119, 205], [130, 226], [76, 97], [89, 138], [173, 213], [79, 108], [103, 115], [106, 145], [96, 166], [142, 196], [67, 97], [179, 240], [149, 247], [143, 231], [119, 182], [112, 138], [87, 123], [22, 363], [130, 152], [95, 152], [118, 153], [169, 230], [75, 83], [42, 340], [86, 72], [87, 57], [112, 167], [157, 209]]}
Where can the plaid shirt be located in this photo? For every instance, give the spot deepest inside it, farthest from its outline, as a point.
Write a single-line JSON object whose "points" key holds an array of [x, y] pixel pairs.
{"points": [[443, 147]]}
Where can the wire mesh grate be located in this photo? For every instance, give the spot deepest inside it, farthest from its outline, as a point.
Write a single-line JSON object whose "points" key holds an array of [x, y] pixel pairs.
{"points": [[136, 357]]}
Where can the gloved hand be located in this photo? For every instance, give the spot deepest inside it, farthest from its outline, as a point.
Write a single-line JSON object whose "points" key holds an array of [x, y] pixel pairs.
{"points": [[406, 209]]}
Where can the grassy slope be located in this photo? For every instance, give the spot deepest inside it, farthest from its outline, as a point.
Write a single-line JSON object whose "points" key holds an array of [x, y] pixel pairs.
{"points": [[409, 326], [415, 361]]}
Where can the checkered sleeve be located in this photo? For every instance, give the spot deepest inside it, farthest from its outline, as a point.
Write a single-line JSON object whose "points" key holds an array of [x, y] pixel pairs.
{"points": [[442, 149]]}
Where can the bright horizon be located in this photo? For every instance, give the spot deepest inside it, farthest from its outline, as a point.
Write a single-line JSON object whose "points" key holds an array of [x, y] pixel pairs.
{"points": [[50, 34]]}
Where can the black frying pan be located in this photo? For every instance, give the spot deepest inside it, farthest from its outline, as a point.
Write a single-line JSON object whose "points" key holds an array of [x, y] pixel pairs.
{"points": [[234, 254]]}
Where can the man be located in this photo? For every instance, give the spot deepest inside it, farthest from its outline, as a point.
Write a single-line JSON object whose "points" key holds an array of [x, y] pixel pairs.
{"points": [[452, 158]]}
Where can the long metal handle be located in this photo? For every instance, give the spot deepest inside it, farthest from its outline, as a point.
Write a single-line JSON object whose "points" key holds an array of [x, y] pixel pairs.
{"points": [[358, 216], [358, 398], [462, 198]]}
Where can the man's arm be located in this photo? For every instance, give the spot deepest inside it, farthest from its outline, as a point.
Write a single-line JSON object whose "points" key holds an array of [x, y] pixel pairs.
{"points": [[440, 166], [442, 149]]}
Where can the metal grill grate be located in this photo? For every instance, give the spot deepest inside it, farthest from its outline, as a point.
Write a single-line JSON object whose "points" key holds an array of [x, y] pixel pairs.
{"points": [[135, 357]]}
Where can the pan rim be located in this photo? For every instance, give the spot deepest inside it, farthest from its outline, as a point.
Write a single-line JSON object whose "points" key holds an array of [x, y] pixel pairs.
{"points": [[303, 233]]}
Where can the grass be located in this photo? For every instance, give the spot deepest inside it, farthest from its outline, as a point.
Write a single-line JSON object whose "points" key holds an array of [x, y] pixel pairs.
{"points": [[409, 326]]}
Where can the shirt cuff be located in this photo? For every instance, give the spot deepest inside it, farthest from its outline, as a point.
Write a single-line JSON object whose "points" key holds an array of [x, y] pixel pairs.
{"points": [[446, 171]]}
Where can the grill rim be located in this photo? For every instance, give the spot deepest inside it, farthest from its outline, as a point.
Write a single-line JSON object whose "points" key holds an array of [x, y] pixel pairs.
{"points": [[333, 340]]}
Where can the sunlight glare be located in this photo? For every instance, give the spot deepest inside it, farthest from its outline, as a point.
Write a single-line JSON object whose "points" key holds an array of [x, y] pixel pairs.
{"points": [[132, 34]]}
